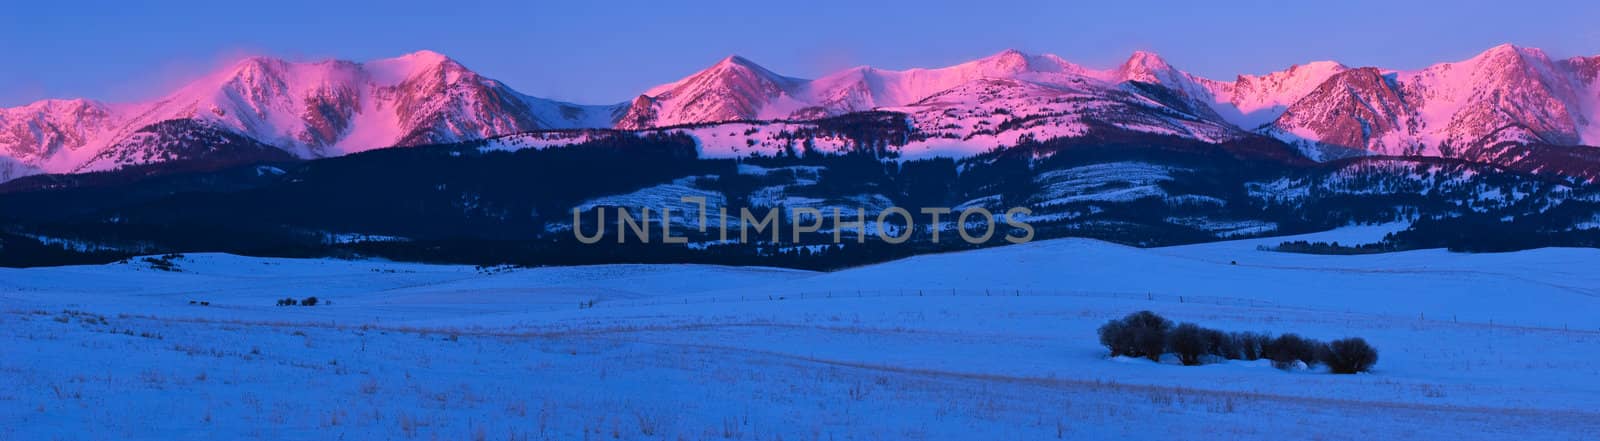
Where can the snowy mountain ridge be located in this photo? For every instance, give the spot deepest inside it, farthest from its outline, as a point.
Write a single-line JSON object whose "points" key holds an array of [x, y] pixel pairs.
{"points": [[1507, 94], [1486, 109], [309, 109]]}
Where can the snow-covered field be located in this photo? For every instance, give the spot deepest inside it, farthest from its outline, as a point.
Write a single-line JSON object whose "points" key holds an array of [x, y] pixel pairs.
{"points": [[990, 344]]}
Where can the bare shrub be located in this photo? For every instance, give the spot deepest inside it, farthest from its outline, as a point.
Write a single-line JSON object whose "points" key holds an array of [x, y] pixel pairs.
{"points": [[1189, 342], [1251, 345], [1349, 356], [1220, 344], [1141, 334], [1289, 348]]}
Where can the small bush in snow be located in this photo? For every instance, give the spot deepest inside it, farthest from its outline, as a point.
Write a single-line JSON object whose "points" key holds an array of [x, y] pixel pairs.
{"points": [[1114, 335], [1149, 333], [1289, 348], [309, 301], [1220, 344], [1189, 342], [1349, 356], [1250, 344], [1141, 334]]}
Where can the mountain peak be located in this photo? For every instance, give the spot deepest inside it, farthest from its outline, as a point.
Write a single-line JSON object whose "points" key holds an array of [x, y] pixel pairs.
{"points": [[397, 69], [66, 103], [255, 63], [736, 65], [1009, 52], [1008, 56], [422, 59], [1324, 65], [255, 73], [1144, 56], [1146, 67], [1508, 52], [1146, 61], [736, 60], [733, 89], [426, 56], [1013, 61], [1503, 47]]}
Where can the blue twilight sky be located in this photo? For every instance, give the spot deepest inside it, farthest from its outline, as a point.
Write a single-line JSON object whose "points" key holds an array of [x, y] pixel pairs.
{"points": [[603, 52]]}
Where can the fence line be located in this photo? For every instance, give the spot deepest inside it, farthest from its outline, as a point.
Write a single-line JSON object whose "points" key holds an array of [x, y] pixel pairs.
{"points": [[927, 292]]}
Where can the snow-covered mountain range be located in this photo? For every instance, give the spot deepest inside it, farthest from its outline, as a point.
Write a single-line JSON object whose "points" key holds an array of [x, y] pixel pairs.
{"points": [[308, 110], [1488, 108], [1463, 109]]}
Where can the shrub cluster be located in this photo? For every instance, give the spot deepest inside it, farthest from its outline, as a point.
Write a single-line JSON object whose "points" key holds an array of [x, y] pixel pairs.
{"points": [[290, 301], [165, 263], [1349, 356], [1141, 334], [1287, 349], [1146, 334]]}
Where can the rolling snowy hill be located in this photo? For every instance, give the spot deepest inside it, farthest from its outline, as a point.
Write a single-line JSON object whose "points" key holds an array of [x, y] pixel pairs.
{"points": [[993, 344]]}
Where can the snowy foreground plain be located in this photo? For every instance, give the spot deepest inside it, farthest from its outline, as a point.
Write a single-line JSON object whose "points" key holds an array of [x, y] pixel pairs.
{"points": [[990, 344]]}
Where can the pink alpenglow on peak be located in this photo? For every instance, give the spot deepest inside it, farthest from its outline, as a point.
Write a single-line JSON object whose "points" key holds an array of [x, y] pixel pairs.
{"points": [[1477, 109], [1469, 109], [308, 109], [733, 89]]}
